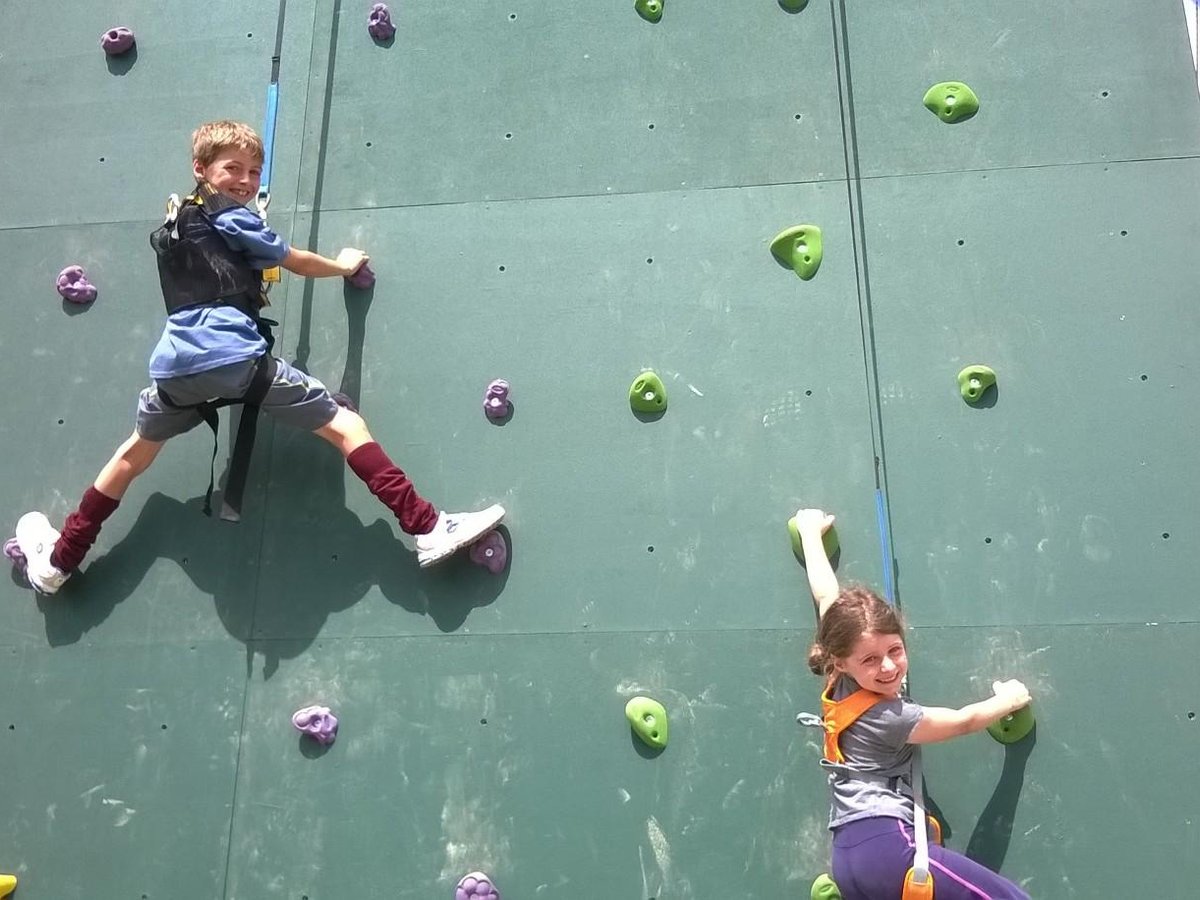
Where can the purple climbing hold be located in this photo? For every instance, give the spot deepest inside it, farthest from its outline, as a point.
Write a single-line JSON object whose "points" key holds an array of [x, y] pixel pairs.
{"points": [[380, 23], [362, 278], [117, 40], [490, 551], [13, 551], [72, 284], [495, 399], [344, 400], [476, 886], [317, 722]]}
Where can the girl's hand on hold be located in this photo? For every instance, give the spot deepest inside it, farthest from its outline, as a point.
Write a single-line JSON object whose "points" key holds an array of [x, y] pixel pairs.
{"points": [[813, 520], [1013, 693]]}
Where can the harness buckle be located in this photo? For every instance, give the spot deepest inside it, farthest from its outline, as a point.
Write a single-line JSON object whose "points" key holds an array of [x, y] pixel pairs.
{"points": [[173, 206]]}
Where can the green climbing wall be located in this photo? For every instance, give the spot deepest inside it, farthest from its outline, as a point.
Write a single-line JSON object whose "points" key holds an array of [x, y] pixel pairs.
{"points": [[563, 196]]}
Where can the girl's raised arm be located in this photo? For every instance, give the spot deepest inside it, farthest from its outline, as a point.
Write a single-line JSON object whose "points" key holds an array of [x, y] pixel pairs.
{"points": [[812, 525]]}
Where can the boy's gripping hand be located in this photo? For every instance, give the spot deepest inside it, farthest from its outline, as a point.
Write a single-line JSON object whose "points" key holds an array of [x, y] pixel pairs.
{"points": [[351, 260], [1012, 693]]}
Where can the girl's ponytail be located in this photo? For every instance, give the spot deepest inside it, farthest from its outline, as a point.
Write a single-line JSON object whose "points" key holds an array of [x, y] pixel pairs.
{"points": [[818, 659]]}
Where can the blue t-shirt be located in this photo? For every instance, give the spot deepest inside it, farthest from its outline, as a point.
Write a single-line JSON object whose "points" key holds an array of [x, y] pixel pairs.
{"points": [[207, 337]]}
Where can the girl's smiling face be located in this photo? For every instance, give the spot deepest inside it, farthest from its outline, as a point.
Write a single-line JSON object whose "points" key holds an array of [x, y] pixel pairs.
{"points": [[878, 663]]}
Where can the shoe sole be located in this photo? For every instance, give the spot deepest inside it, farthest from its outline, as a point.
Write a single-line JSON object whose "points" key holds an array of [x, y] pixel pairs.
{"points": [[495, 519]]}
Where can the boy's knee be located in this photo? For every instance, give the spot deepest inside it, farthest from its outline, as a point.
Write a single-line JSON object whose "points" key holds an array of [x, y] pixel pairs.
{"points": [[347, 430], [138, 452]]}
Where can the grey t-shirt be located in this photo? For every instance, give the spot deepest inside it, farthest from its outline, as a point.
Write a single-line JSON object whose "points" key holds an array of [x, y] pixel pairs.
{"points": [[876, 779]]}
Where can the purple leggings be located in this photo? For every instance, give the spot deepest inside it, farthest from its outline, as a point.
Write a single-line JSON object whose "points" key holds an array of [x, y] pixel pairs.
{"points": [[871, 856]]}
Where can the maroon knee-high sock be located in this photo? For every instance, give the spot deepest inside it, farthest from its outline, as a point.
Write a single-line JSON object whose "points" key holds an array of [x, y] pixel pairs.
{"points": [[81, 528], [387, 482]]}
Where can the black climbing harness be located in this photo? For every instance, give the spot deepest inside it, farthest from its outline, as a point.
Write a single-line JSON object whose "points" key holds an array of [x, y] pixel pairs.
{"points": [[197, 268]]}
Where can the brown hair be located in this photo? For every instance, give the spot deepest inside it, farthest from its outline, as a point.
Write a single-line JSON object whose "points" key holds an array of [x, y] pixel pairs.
{"points": [[856, 611], [212, 137]]}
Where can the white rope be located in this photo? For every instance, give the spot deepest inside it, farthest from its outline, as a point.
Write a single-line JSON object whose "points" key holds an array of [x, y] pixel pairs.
{"points": [[920, 822]]}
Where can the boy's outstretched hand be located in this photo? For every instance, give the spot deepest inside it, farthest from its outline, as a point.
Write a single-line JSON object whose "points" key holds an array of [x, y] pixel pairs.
{"points": [[351, 260]]}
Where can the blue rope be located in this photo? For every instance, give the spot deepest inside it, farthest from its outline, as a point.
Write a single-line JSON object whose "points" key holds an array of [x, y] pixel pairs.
{"points": [[269, 137], [264, 189], [889, 590]]}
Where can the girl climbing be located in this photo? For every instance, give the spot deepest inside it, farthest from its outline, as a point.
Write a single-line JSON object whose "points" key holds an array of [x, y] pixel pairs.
{"points": [[872, 735]]}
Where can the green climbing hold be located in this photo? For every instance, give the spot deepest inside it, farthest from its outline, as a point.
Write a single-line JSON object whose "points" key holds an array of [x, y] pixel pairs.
{"points": [[793, 5], [825, 889], [647, 394], [951, 101], [799, 248], [1013, 727], [648, 719], [829, 539], [650, 10], [973, 382]]}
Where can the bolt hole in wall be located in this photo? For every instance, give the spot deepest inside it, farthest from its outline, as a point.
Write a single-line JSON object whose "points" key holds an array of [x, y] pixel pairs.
{"points": [[1166, 535], [987, 540], [60, 421], [508, 135], [961, 242], [650, 549], [1191, 715]]}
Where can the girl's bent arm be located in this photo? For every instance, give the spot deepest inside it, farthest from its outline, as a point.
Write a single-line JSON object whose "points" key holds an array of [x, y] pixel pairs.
{"points": [[940, 724]]}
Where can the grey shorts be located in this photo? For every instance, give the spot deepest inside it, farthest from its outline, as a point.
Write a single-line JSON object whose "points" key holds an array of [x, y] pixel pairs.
{"points": [[294, 398]]}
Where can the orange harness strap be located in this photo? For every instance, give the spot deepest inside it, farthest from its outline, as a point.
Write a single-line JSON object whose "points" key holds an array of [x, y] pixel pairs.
{"points": [[838, 715]]}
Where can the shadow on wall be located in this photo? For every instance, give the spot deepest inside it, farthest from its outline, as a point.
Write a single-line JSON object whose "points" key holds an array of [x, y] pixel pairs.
{"points": [[992, 836], [205, 550]]}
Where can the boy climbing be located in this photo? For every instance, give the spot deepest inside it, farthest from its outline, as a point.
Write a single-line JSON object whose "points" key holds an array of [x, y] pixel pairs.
{"points": [[215, 349]]}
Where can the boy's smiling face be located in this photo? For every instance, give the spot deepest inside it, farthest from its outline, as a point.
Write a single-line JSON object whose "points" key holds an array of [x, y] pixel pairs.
{"points": [[234, 172]]}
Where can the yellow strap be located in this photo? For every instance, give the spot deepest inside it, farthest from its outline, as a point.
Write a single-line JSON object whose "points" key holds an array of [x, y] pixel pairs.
{"points": [[272, 274]]}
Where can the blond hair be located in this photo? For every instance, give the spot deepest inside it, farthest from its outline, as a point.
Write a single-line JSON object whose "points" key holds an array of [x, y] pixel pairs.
{"points": [[212, 137]]}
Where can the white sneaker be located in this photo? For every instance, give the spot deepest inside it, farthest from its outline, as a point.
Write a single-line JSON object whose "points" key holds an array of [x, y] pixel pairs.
{"points": [[454, 531], [36, 538]]}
